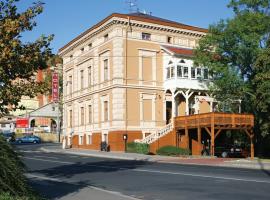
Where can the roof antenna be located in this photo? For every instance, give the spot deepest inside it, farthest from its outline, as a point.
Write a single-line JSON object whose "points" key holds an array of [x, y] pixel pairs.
{"points": [[132, 6]]}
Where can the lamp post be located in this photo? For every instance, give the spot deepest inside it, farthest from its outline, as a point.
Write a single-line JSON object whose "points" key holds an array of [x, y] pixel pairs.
{"points": [[64, 144]]}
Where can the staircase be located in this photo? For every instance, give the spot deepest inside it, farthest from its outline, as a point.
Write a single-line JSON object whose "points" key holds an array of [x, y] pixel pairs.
{"points": [[155, 136]]}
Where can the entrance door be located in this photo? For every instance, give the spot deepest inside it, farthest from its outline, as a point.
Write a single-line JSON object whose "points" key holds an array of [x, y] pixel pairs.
{"points": [[168, 111]]}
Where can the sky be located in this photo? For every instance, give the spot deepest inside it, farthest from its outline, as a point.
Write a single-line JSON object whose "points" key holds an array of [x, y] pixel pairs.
{"points": [[66, 19]]}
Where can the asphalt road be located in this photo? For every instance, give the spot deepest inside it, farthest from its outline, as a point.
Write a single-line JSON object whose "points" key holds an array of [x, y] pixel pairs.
{"points": [[62, 175]]}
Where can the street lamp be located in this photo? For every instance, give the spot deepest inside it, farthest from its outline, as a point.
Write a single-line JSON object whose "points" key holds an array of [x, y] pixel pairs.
{"points": [[64, 144]]}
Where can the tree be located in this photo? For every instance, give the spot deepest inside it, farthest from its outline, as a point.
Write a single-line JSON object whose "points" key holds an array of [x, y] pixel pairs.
{"points": [[237, 53], [20, 61]]}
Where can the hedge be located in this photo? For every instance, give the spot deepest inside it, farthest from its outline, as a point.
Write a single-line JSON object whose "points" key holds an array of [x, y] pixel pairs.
{"points": [[13, 184], [133, 147], [172, 151]]}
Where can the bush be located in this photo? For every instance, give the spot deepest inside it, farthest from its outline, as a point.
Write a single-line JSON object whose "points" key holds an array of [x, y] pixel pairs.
{"points": [[134, 147], [12, 181], [172, 151]]}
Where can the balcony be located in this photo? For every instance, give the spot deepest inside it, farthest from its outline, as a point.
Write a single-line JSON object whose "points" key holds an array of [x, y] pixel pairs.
{"points": [[218, 120]]}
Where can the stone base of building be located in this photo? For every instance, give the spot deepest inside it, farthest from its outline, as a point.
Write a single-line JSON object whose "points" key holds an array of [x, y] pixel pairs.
{"points": [[115, 140]]}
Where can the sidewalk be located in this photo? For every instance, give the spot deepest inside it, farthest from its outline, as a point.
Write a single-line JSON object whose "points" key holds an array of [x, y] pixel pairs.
{"points": [[208, 161]]}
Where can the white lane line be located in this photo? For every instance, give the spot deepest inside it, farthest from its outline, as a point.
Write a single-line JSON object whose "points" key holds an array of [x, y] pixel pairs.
{"points": [[202, 176], [31, 176], [43, 178], [185, 174], [46, 160], [46, 157]]}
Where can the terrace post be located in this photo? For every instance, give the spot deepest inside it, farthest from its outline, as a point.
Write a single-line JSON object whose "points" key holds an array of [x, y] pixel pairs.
{"points": [[199, 137], [251, 147], [212, 135]]}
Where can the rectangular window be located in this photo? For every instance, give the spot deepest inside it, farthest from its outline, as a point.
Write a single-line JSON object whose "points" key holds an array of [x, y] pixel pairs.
{"points": [[168, 73], [106, 111], [106, 37], [82, 115], [199, 72], [193, 72], [90, 45], [105, 70], [70, 84], [179, 71], [172, 72], [146, 36], [186, 72], [80, 140], [70, 118], [89, 76], [169, 39], [205, 73], [89, 139], [81, 73], [90, 114]]}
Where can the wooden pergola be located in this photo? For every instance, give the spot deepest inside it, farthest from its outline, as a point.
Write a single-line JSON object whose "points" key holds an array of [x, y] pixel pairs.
{"points": [[214, 123]]}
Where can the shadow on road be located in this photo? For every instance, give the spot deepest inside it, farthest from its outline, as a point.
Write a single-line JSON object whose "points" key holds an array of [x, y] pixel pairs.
{"points": [[267, 172], [66, 182]]}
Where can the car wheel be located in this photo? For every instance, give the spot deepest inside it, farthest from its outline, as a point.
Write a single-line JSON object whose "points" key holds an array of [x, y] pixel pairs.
{"points": [[224, 154], [34, 141], [20, 141]]}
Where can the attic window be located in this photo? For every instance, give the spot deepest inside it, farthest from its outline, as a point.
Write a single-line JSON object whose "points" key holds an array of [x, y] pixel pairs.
{"points": [[90, 45], [169, 40], [82, 50], [71, 56], [106, 37], [146, 36]]}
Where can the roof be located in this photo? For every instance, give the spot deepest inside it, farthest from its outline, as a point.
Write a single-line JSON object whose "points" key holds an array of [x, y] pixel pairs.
{"points": [[138, 17], [180, 51]]}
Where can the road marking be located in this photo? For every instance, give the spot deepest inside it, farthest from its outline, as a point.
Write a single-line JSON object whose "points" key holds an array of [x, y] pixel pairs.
{"points": [[43, 178], [46, 160], [31, 176], [202, 176], [46, 157], [184, 174]]}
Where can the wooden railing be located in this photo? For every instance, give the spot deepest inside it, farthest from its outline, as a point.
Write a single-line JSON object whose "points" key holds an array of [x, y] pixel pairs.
{"points": [[230, 120]]}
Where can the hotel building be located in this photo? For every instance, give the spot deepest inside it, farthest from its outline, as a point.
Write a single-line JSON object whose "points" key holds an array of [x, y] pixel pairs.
{"points": [[132, 74]]}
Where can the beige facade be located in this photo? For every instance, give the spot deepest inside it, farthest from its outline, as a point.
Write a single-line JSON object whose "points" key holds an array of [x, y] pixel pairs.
{"points": [[116, 76]]}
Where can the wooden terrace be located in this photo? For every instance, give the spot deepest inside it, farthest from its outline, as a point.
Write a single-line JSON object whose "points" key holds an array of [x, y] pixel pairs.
{"points": [[214, 123]]}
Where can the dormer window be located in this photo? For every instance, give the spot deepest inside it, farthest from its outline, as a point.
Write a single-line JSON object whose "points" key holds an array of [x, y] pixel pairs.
{"points": [[106, 37], [146, 36]]}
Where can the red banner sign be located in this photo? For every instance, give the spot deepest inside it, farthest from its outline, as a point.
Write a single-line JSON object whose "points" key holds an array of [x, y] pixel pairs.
{"points": [[55, 87], [22, 123]]}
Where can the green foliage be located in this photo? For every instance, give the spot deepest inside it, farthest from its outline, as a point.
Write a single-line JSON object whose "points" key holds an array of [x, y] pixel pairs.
{"points": [[20, 61], [12, 180], [134, 147], [172, 151], [237, 52]]}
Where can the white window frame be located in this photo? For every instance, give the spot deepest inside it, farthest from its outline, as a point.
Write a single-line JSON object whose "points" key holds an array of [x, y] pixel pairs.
{"points": [[103, 99], [89, 139]]}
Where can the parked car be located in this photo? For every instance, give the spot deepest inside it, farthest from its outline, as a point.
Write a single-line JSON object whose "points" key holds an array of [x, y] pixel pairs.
{"points": [[29, 139], [8, 136], [233, 151]]}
